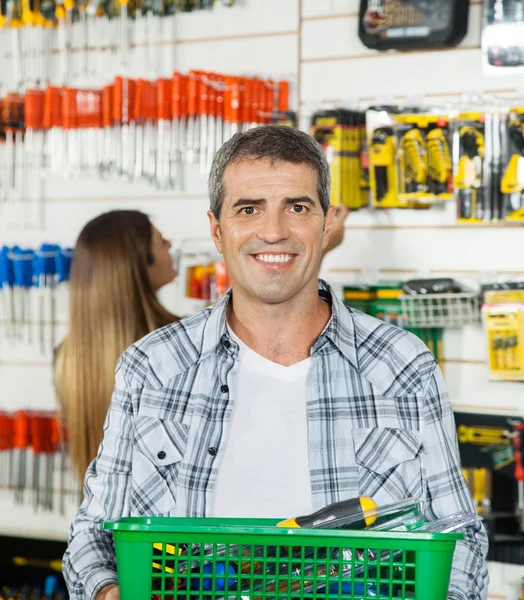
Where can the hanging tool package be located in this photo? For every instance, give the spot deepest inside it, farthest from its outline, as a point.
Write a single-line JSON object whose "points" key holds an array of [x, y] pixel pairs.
{"points": [[469, 168], [410, 158], [489, 166], [342, 134], [512, 184], [411, 24], [502, 37]]}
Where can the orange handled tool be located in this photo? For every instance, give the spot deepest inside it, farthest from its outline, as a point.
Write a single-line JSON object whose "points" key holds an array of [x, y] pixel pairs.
{"points": [[21, 442], [192, 139]]}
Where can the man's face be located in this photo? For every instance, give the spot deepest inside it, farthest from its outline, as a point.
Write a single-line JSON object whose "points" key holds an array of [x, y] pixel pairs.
{"points": [[272, 229]]}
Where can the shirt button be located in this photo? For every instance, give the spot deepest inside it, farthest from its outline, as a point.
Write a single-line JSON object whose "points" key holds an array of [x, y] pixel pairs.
{"points": [[213, 451], [227, 344], [161, 455], [224, 389]]}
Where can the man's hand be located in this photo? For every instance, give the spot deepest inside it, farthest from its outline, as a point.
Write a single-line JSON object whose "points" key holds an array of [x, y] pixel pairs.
{"points": [[109, 592]]}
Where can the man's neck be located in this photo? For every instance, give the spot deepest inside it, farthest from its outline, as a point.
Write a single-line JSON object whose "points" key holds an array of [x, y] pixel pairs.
{"points": [[283, 333]]}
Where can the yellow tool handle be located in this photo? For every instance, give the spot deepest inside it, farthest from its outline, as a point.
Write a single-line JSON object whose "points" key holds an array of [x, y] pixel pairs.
{"points": [[346, 509]]}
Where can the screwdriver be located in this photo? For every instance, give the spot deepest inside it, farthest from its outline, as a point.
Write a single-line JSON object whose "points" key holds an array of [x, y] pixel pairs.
{"points": [[353, 510], [34, 147], [247, 101], [219, 113], [178, 129], [52, 123], [7, 281], [211, 124], [6, 449], [70, 125], [226, 122], [106, 164], [21, 442], [164, 132], [192, 131], [203, 111]]}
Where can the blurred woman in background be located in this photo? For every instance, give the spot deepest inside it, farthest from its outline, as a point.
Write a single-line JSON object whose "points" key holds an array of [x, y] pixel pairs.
{"points": [[119, 264]]}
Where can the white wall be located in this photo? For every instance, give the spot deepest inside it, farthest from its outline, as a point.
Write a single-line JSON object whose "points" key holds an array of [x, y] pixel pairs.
{"points": [[315, 44]]}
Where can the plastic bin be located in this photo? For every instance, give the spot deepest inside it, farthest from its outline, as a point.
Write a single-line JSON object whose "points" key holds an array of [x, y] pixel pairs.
{"points": [[188, 558]]}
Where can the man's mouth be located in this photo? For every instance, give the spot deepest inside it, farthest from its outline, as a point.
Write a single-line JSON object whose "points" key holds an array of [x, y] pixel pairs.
{"points": [[274, 258]]}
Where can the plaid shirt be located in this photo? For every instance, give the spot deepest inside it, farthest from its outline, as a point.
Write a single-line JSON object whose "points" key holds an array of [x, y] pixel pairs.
{"points": [[379, 424]]}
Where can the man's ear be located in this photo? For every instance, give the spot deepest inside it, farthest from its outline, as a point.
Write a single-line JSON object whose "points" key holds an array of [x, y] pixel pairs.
{"points": [[215, 231], [328, 225]]}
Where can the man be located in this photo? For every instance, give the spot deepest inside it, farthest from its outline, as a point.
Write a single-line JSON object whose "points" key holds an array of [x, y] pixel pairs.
{"points": [[278, 400]]}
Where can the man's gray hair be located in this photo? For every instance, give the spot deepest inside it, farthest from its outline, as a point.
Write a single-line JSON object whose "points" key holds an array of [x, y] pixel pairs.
{"points": [[276, 143]]}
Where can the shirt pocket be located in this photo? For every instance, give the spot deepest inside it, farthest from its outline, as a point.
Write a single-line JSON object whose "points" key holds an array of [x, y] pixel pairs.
{"points": [[159, 449], [389, 463]]}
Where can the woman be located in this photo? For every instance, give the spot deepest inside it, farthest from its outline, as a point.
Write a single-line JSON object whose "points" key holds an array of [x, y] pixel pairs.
{"points": [[120, 262]]}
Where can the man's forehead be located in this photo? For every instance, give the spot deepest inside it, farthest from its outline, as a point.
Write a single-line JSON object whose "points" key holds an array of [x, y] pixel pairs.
{"points": [[268, 162], [245, 170]]}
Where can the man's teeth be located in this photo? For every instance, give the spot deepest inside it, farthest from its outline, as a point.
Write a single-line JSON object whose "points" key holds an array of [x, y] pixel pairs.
{"points": [[274, 258]]}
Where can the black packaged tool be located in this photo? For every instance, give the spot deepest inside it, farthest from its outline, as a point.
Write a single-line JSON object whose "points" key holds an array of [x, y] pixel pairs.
{"points": [[410, 24], [502, 40], [470, 169], [512, 183], [443, 285]]}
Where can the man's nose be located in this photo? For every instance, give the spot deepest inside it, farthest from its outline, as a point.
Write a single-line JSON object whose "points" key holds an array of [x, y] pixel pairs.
{"points": [[273, 227]]}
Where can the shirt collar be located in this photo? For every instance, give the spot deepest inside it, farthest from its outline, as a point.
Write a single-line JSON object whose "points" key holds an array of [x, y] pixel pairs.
{"points": [[340, 330]]}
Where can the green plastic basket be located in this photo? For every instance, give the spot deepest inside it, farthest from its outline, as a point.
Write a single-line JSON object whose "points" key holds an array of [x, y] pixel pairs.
{"points": [[162, 558]]}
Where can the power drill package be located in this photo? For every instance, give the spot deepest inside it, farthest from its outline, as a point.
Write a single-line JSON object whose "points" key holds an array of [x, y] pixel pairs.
{"points": [[410, 24], [503, 37]]}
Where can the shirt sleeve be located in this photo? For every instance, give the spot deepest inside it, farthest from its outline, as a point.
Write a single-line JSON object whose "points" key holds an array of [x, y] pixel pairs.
{"points": [[89, 562], [448, 493]]}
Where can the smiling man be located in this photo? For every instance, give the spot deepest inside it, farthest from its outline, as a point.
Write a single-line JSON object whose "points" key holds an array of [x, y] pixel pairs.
{"points": [[278, 400]]}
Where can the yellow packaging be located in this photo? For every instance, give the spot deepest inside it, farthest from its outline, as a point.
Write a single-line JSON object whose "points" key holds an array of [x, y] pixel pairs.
{"points": [[505, 334], [410, 160], [468, 180], [339, 133], [512, 183]]}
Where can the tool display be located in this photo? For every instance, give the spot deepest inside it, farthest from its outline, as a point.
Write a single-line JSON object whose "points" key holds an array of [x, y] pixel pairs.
{"points": [[136, 129], [33, 289], [517, 436], [512, 183], [409, 158], [490, 450], [34, 29], [503, 317], [410, 24], [342, 134], [33, 459], [470, 178]]}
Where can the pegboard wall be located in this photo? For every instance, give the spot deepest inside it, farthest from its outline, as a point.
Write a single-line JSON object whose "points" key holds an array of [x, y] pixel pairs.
{"points": [[314, 44]]}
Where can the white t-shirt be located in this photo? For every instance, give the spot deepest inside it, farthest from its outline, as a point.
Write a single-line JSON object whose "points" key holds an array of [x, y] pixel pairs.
{"points": [[264, 472]]}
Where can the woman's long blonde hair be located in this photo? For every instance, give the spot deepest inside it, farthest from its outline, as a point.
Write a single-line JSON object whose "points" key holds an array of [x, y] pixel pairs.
{"points": [[112, 305]]}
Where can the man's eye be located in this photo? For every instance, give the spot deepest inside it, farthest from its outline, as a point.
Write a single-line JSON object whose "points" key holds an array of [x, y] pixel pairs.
{"points": [[249, 210], [299, 208]]}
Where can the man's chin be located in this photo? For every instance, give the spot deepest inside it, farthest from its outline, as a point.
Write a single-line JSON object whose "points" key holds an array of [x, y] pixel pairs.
{"points": [[272, 294]]}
